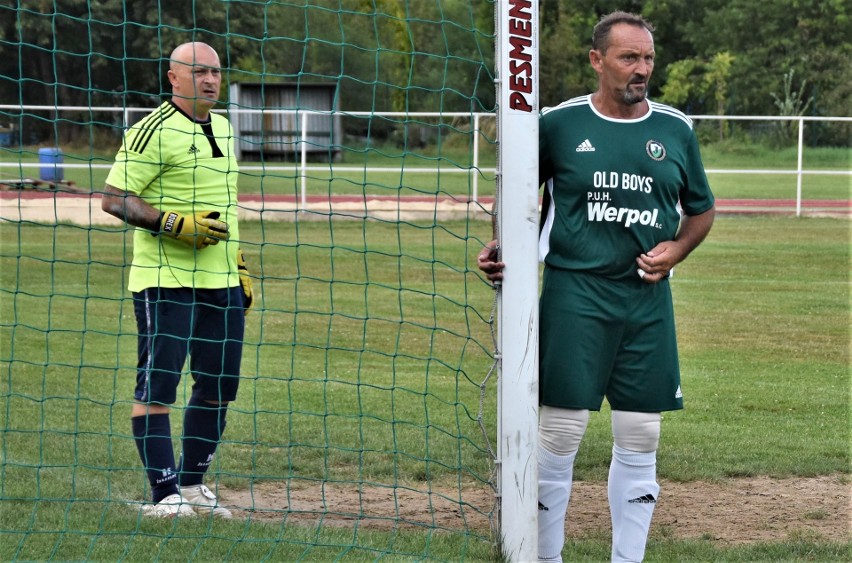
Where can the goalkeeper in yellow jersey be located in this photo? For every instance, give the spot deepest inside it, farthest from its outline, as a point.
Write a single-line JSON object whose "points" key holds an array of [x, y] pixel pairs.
{"points": [[175, 180]]}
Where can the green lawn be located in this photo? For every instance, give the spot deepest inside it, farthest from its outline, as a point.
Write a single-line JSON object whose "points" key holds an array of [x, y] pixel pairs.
{"points": [[363, 365]]}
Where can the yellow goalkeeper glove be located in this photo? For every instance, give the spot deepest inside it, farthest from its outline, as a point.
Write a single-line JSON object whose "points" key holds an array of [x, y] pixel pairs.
{"points": [[199, 230], [245, 280]]}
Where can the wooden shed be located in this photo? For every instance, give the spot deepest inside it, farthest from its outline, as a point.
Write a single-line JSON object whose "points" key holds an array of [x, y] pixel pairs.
{"points": [[267, 120]]}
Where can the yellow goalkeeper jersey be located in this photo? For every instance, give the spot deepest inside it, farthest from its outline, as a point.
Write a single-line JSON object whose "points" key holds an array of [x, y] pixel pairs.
{"points": [[176, 163]]}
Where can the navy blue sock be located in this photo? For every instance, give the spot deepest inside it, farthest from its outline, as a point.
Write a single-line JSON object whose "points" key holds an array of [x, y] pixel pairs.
{"points": [[203, 424], [154, 441]]}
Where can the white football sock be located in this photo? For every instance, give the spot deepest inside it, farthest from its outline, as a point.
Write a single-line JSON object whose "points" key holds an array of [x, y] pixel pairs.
{"points": [[555, 475], [633, 491]]}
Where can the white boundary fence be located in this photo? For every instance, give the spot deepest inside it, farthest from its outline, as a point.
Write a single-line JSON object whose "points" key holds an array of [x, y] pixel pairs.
{"points": [[303, 116], [474, 170], [800, 146]]}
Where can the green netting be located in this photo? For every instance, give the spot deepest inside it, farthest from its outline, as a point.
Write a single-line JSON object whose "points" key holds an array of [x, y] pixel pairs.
{"points": [[365, 420]]}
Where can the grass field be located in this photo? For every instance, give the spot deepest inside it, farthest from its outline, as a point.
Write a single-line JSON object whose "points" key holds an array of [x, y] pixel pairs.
{"points": [[363, 366], [412, 174]]}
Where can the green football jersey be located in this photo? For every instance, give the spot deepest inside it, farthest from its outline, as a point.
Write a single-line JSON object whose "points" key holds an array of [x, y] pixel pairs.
{"points": [[616, 187], [178, 164]]}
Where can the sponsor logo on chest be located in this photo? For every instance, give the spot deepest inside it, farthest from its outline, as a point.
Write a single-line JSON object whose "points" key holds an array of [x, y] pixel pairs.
{"points": [[603, 212]]}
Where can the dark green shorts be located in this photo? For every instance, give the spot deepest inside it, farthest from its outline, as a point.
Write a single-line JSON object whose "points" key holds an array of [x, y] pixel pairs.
{"points": [[603, 338]]}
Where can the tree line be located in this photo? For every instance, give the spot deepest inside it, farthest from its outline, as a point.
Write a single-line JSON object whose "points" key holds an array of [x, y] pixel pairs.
{"points": [[736, 57]]}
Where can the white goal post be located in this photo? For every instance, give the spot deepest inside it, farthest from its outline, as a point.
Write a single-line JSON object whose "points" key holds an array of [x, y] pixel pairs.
{"points": [[517, 233]]}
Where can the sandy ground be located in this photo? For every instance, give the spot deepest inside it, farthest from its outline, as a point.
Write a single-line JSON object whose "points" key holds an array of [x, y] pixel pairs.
{"points": [[735, 511], [85, 209]]}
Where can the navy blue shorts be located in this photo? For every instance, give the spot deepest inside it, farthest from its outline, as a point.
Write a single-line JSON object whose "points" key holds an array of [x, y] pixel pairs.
{"points": [[205, 324]]}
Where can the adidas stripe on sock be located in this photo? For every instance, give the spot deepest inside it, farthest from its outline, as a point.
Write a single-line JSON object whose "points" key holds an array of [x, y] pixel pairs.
{"points": [[555, 475], [633, 492]]}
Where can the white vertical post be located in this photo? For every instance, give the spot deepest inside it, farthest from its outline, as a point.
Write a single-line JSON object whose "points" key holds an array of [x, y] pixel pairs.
{"points": [[475, 169], [303, 173], [799, 168], [517, 224]]}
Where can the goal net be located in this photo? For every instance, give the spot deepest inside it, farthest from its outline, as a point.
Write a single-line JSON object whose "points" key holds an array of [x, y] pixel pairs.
{"points": [[366, 424]]}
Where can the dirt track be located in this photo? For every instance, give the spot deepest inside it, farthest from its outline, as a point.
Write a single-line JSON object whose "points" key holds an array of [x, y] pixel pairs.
{"points": [[84, 208]]}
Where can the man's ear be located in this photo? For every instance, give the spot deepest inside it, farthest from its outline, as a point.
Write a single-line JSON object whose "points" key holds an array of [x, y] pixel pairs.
{"points": [[595, 58]]}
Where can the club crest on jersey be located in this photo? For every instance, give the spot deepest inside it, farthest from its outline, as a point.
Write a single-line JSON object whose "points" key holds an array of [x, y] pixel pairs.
{"points": [[655, 150]]}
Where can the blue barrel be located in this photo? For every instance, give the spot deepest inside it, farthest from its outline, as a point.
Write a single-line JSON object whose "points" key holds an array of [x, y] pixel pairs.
{"points": [[49, 158]]}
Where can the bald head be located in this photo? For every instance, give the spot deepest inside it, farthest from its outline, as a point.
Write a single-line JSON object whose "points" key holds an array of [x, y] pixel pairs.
{"points": [[189, 53], [195, 77]]}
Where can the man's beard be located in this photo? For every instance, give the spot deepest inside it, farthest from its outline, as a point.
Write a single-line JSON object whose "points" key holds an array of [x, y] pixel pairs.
{"points": [[632, 97]]}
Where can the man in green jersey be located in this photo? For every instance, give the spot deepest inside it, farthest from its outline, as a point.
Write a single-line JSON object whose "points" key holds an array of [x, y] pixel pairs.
{"points": [[626, 199], [175, 180]]}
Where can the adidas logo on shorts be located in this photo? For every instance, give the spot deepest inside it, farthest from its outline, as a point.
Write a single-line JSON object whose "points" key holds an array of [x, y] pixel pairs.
{"points": [[585, 146]]}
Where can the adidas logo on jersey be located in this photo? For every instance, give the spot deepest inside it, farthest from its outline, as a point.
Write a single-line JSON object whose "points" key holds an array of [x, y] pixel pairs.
{"points": [[585, 146], [192, 149], [644, 499], [678, 393]]}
